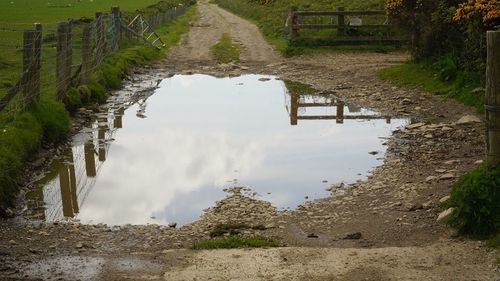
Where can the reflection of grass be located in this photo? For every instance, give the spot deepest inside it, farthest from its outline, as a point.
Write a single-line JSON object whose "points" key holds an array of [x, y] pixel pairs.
{"points": [[233, 242], [299, 88], [225, 50]]}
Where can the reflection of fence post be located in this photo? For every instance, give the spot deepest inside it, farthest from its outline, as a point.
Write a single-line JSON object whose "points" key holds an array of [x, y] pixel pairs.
{"points": [[101, 136], [117, 123], [86, 54], [90, 160], [292, 17], [65, 185], [341, 21], [117, 27], [28, 67], [38, 58], [493, 97], [294, 109], [74, 189], [60, 61], [340, 112]]}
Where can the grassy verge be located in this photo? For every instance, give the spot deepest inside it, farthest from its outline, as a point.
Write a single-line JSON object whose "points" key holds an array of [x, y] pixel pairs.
{"points": [[271, 18], [22, 134], [233, 242], [441, 78], [226, 51]]}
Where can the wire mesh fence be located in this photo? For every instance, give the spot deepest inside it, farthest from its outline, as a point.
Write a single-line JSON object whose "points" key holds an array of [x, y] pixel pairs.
{"points": [[65, 54]]}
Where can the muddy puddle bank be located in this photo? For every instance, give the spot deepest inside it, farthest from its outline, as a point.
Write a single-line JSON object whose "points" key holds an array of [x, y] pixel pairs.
{"points": [[163, 150]]}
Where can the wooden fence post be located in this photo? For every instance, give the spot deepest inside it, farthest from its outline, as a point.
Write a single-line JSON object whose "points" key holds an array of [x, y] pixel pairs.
{"points": [[115, 10], [69, 54], [61, 61], [86, 54], [28, 66], [292, 17], [493, 97], [341, 21], [38, 60], [99, 38]]}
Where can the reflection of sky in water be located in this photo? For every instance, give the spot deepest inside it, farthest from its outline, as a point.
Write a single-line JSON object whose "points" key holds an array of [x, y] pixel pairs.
{"points": [[201, 133]]}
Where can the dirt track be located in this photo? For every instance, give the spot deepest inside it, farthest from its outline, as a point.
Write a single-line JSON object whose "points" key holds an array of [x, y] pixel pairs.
{"points": [[395, 210], [206, 32]]}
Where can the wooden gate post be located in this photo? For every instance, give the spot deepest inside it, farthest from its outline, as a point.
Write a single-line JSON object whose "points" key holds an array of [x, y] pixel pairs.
{"points": [[293, 21], [28, 66], [341, 22], [61, 61], [493, 98], [86, 54], [38, 60]]}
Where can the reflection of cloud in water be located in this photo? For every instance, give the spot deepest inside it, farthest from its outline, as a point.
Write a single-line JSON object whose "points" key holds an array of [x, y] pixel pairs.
{"points": [[185, 81], [155, 172]]}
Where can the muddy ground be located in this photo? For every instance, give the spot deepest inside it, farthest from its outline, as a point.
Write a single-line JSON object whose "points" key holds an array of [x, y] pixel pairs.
{"points": [[384, 228]]}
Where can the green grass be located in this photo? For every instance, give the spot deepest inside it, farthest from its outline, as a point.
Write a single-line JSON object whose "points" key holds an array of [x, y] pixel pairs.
{"points": [[271, 18], [233, 229], [21, 133], [233, 242], [226, 51], [494, 242], [475, 197], [439, 79]]}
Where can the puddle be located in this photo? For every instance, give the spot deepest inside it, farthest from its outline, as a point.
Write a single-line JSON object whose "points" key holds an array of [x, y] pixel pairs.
{"points": [[166, 154]]}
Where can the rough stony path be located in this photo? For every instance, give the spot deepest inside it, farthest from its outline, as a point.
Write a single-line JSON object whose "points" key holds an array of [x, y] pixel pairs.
{"points": [[431, 263], [206, 32]]}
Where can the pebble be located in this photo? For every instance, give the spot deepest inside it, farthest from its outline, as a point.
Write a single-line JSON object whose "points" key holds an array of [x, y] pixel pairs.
{"points": [[447, 177], [444, 215], [415, 126], [467, 119], [444, 199], [430, 178]]}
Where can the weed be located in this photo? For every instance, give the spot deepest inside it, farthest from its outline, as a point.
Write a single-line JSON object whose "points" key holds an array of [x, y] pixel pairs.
{"points": [[225, 51], [233, 242]]}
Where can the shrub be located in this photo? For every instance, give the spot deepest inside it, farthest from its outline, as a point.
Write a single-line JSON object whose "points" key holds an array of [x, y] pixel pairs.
{"points": [[476, 199]]}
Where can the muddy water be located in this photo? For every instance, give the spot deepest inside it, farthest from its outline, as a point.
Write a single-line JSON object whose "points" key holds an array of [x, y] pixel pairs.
{"points": [[163, 155]]}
